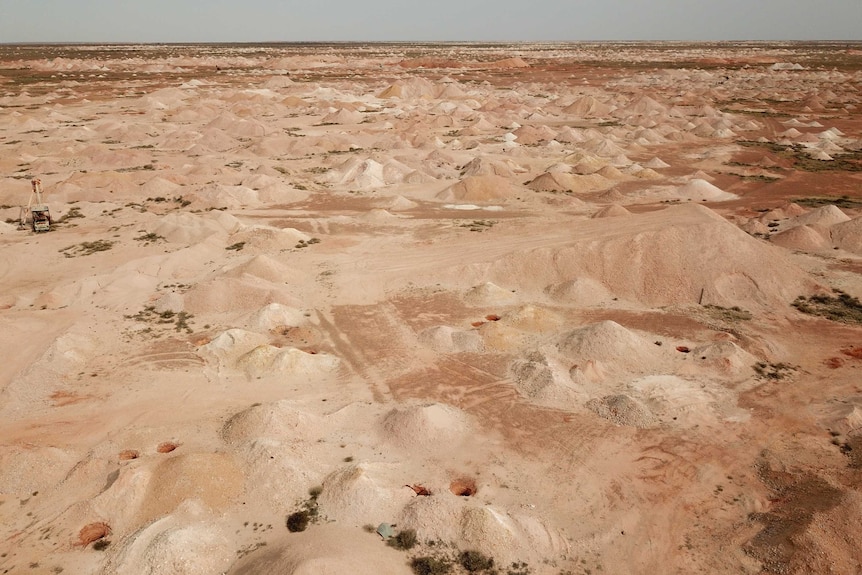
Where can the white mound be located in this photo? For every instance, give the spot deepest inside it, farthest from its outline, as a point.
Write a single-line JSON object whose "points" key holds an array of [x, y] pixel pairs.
{"points": [[612, 211], [823, 216], [803, 238], [432, 427], [611, 344], [281, 421], [269, 360], [848, 235], [490, 294], [325, 550], [699, 190]]}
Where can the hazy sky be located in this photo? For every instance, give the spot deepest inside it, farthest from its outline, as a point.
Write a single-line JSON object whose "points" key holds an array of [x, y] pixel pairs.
{"points": [[334, 20]]}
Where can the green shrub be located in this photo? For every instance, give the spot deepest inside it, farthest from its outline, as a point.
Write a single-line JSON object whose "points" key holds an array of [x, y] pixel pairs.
{"points": [[405, 540]]}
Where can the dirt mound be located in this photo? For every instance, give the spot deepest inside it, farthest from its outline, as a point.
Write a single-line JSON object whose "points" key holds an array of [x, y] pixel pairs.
{"points": [[701, 251], [612, 345], [490, 294], [479, 189], [823, 216], [270, 360], [184, 228], [432, 427], [623, 410], [803, 238], [848, 235], [699, 190], [166, 548], [363, 493], [281, 420], [612, 211], [325, 550], [227, 294]]}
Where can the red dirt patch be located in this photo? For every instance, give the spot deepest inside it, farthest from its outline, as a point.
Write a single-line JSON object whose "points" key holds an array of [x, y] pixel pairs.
{"points": [[854, 352], [167, 447], [128, 454], [463, 487], [93, 532]]}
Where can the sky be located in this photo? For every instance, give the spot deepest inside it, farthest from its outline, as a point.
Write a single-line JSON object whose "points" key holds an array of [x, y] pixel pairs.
{"points": [[432, 20]]}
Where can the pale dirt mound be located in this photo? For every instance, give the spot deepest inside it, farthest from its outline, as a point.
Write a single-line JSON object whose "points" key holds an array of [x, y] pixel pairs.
{"points": [[754, 226], [413, 88], [231, 343], [612, 211], [281, 420], [343, 116], [325, 550], [154, 488], [278, 473], [479, 189], [661, 264], [724, 358], [545, 380], [269, 360], [612, 345], [235, 295], [490, 294], [396, 204], [364, 493], [264, 267], [700, 190], [581, 292], [672, 396], [588, 107], [268, 238], [24, 470], [823, 216], [848, 235], [427, 428], [275, 316], [623, 410], [167, 547], [220, 196], [445, 339], [803, 238], [184, 228], [508, 536]]}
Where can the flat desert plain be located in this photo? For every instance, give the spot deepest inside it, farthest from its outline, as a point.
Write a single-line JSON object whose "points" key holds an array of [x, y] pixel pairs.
{"points": [[394, 308]]}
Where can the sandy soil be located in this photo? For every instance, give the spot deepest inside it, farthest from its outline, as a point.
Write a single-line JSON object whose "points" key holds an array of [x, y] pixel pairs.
{"points": [[532, 301]]}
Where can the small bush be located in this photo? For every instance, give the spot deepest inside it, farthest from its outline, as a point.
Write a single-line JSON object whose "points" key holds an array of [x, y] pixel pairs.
{"points": [[298, 521], [430, 565], [474, 561], [405, 540]]}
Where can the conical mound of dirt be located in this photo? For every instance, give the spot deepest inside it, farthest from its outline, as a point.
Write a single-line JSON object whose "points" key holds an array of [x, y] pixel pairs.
{"points": [[623, 410], [264, 267], [274, 315], [281, 420], [803, 238], [270, 360], [479, 189], [490, 294], [363, 493], [227, 294], [611, 344], [325, 550], [184, 228], [431, 427], [167, 547], [823, 216], [612, 211], [659, 264], [848, 236]]}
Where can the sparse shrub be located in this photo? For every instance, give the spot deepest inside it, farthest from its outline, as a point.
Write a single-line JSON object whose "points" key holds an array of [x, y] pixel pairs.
{"points": [[236, 247], [842, 308], [474, 561], [101, 544], [405, 540], [430, 565], [298, 521]]}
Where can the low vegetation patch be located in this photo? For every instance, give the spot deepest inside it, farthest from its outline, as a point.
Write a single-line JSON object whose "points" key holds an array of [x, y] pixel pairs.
{"points": [[842, 202], [479, 225], [428, 565], [405, 540], [475, 562], [150, 238], [729, 314], [842, 307], [236, 247], [308, 513], [773, 371], [179, 320], [87, 248]]}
